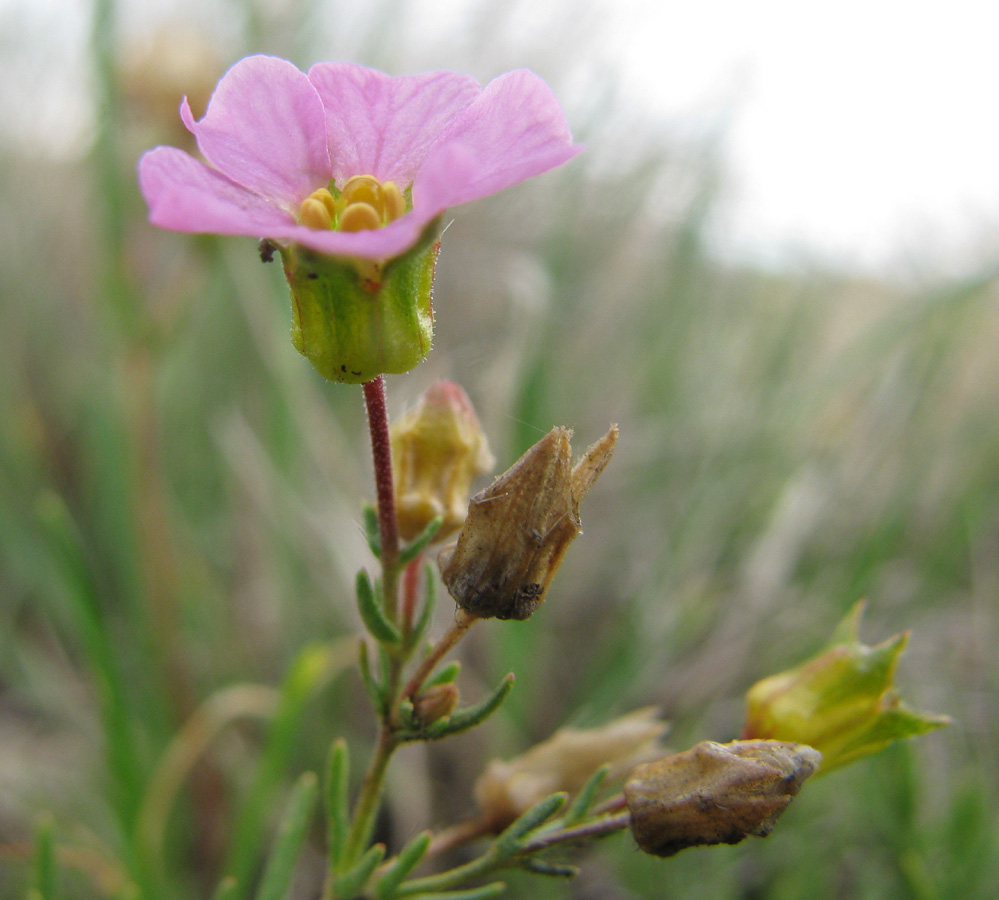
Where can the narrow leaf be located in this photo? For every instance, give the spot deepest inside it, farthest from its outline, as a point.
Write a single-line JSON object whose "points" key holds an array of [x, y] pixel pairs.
{"points": [[407, 860], [45, 874], [446, 675], [372, 614], [408, 553], [480, 893], [375, 691], [352, 882], [337, 802], [463, 719], [430, 594], [228, 889], [372, 531], [553, 870], [291, 834], [509, 841], [582, 802]]}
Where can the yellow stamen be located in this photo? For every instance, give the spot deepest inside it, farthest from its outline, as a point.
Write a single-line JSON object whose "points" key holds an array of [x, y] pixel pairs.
{"points": [[359, 217], [363, 189], [393, 203], [314, 214]]}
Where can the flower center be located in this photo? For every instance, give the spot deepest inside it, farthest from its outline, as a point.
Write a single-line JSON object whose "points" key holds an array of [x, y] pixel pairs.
{"points": [[364, 203]]}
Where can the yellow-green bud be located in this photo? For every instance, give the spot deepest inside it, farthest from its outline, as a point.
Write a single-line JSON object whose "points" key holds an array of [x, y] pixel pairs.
{"points": [[714, 793], [438, 449], [355, 319], [842, 701]]}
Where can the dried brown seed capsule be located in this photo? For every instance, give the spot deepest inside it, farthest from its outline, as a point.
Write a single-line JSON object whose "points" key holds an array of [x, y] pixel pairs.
{"points": [[715, 793], [519, 528]]}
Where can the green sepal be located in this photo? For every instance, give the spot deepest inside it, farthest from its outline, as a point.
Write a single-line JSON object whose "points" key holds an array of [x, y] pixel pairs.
{"points": [[352, 882], [582, 802], [337, 802], [462, 719], [552, 870], [370, 607], [372, 530], [290, 837], [355, 319], [420, 543], [406, 714], [430, 594], [479, 893], [445, 676], [407, 860], [374, 690], [509, 842]]}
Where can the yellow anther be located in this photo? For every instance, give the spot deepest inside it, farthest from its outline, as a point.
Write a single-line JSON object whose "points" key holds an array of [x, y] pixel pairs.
{"points": [[326, 198], [393, 203], [359, 217], [363, 189], [315, 214]]}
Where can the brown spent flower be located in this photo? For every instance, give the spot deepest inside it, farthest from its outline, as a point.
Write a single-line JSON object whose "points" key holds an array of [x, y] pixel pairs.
{"points": [[436, 702], [438, 450], [519, 528], [715, 793], [564, 762]]}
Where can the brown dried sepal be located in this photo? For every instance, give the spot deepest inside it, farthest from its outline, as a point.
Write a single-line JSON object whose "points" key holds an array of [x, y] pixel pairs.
{"points": [[715, 793], [519, 528]]}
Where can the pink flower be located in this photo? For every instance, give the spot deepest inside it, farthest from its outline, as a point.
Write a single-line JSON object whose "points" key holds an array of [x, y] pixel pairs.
{"points": [[273, 136]]}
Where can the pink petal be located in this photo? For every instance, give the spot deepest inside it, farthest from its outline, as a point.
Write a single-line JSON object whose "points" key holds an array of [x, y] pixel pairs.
{"points": [[266, 129], [514, 130], [383, 126], [186, 195]]}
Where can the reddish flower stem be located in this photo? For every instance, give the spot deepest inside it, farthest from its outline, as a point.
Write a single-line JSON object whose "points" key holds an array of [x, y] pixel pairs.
{"points": [[381, 452], [462, 622], [410, 589]]}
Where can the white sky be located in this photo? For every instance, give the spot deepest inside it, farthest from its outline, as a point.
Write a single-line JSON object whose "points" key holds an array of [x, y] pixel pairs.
{"points": [[866, 131]]}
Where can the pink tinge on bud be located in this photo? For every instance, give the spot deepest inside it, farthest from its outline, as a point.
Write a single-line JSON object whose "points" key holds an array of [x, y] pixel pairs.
{"points": [[438, 450]]}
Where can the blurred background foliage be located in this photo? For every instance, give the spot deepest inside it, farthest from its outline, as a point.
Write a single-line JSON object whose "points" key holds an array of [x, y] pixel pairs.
{"points": [[180, 492]]}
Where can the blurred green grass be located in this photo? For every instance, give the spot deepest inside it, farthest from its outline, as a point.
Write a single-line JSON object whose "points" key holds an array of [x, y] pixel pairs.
{"points": [[180, 493]]}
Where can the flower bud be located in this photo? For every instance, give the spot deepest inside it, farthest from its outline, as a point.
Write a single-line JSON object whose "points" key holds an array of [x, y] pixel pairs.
{"points": [[519, 528], [356, 319], [564, 762], [438, 449], [436, 702], [842, 701], [715, 793]]}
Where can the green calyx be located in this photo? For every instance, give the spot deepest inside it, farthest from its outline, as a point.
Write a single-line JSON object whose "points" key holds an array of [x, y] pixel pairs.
{"points": [[355, 319]]}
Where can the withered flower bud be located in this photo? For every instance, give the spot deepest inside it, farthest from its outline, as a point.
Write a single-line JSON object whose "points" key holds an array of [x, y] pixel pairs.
{"points": [[438, 449], [564, 762], [436, 702], [519, 528], [715, 793]]}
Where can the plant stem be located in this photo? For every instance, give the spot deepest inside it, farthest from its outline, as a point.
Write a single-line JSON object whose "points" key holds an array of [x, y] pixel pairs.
{"points": [[381, 452], [366, 808], [462, 622], [592, 829]]}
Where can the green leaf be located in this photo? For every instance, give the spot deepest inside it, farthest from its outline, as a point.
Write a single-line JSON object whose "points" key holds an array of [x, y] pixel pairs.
{"points": [[372, 614], [446, 675], [291, 834], [412, 550], [479, 893], [407, 860], [45, 869], [374, 690], [228, 889], [372, 530], [552, 870], [429, 603], [352, 882], [582, 802], [337, 802], [509, 841], [463, 719]]}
